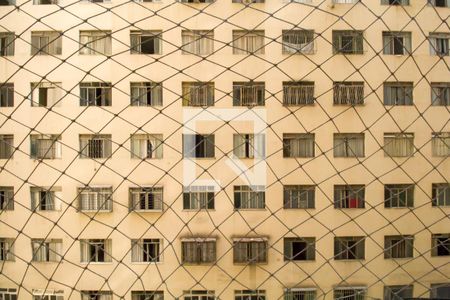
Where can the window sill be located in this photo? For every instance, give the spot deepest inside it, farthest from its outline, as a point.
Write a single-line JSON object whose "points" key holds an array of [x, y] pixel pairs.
{"points": [[96, 211], [299, 105], [46, 262], [295, 208], [199, 264], [147, 211], [144, 263], [249, 209], [96, 263], [198, 210], [300, 261], [350, 260]]}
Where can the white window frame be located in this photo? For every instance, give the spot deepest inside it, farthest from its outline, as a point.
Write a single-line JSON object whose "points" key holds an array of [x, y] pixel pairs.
{"points": [[146, 146], [298, 41], [248, 41], [6, 146], [94, 195], [340, 46], [6, 198], [439, 43], [299, 196], [49, 250], [298, 93], [342, 250], [199, 295], [95, 146], [95, 42], [399, 144], [440, 144], [250, 294], [51, 90], [8, 293], [349, 196], [440, 93], [46, 43], [147, 93], [250, 197], [103, 246], [298, 145], [95, 94], [249, 145], [389, 46], [440, 194], [45, 146], [147, 295], [146, 250], [46, 198], [136, 41], [249, 93], [197, 42], [358, 292], [198, 198], [348, 144], [7, 249], [156, 204], [96, 295], [300, 293], [7, 40]]}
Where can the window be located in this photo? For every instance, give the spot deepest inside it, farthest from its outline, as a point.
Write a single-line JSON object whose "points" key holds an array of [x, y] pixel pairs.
{"points": [[298, 41], [347, 42], [348, 93], [48, 294], [45, 146], [146, 199], [298, 93], [249, 145], [398, 246], [44, 2], [440, 244], [198, 250], [300, 294], [350, 293], [45, 199], [439, 44], [95, 199], [95, 250], [147, 295], [398, 93], [440, 290], [95, 146], [440, 143], [348, 144], [250, 295], [301, 248], [95, 94], [6, 94], [146, 94], [46, 250], [298, 144], [439, 3], [46, 43], [7, 250], [248, 41], [198, 93], [198, 295], [395, 2], [250, 250], [6, 146], [198, 42], [440, 194], [440, 93], [198, 145], [96, 295], [146, 146], [349, 196], [146, 250], [396, 42], [95, 42], [8, 294], [298, 196], [249, 197], [198, 197], [248, 93], [6, 198], [349, 247], [46, 94], [398, 292], [398, 144], [398, 195], [7, 38], [145, 41]]}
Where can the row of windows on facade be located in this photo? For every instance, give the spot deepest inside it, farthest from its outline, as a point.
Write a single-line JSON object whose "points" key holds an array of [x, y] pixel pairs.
{"points": [[201, 42], [390, 292], [150, 199], [252, 93], [252, 146]]}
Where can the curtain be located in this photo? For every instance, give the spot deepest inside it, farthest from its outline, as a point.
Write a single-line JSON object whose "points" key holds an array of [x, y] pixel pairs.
{"points": [[441, 144], [298, 93], [399, 145], [200, 42], [245, 42]]}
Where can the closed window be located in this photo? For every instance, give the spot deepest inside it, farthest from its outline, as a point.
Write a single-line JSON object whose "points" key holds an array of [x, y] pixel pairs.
{"points": [[348, 93], [249, 145], [145, 41], [248, 41], [298, 93], [398, 292], [95, 94], [8, 294], [6, 146], [45, 199], [396, 42], [6, 94], [48, 294], [300, 293], [298, 249], [348, 248], [146, 250], [46, 94], [249, 197], [248, 93], [298, 41], [395, 2], [439, 44], [347, 42], [198, 93], [198, 145], [440, 290], [440, 143], [198, 42], [198, 250], [44, 2], [7, 39], [198, 295], [198, 197], [398, 144], [96, 295], [46, 250], [349, 293], [440, 244], [349, 196], [250, 295], [398, 246], [146, 199], [298, 145], [298, 196], [95, 146], [95, 199], [96, 250], [95, 42], [398, 93], [440, 194], [146, 94], [146, 146], [440, 93], [398, 195], [250, 250], [45, 146], [439, 3], [6, 198], [46, 43], [147, 295], [7, 249], [348, 144]]}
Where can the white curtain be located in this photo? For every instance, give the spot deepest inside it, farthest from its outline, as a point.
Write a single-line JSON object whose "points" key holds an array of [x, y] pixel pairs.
{"points": [[399, 145], [245, 42], [298, 93], [441, 144], [200, 42]]}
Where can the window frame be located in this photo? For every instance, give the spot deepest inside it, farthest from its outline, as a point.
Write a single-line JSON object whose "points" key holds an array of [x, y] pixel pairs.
{"points": [[393, 92], [349, 248], [6, 94], [399, 201], [356, 40], [46, 43], [198, 93], [97, 146], [94, 196], [152, 148], [146, 250], [97, 249], [197, 42], [198, 198], [92, 37], [390, 141], [198, 250], [305, 144], [440, 248], [251, 245], [440, 93], [305, 196], [255, 197], [247, 38], [7, 43], [146, 93], [435, 201], [348, 93], [40, 152], [344, 140], [136, 41], [395, 242], [249, 93], [306, 35], [135, 199], [203, 146], [391, 40], [46, 250], [309, 251], [7, 148], [343, 196]]}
